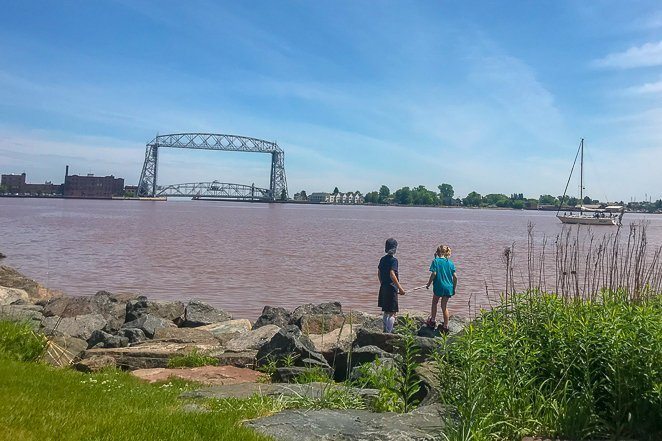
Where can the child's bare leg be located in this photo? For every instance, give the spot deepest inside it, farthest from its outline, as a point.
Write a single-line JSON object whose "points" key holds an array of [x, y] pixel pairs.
{"points": [[444, 310], [389, 321], [433, 310]]}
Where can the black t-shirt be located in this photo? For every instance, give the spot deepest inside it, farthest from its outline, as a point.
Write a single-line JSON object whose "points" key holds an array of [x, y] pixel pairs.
{"points": [[386, 264]]}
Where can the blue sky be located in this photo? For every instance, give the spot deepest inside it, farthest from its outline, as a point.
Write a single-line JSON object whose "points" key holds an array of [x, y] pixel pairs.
{"points": [[487, 96]]}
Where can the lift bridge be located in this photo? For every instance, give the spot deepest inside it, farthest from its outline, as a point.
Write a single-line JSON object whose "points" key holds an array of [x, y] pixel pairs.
{"points": [[148, 187]]}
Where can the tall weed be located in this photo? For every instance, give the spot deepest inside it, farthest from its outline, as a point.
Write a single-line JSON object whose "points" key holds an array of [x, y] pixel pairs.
{"points": [[19, 342]]}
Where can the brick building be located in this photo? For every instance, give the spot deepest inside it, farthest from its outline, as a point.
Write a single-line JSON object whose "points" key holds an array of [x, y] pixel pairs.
{"points": [[16, 184], [91, 186], [13, 183]]}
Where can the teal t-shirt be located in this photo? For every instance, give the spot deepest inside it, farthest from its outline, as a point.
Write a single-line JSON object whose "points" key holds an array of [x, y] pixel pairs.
{"points": [[443, 281]]}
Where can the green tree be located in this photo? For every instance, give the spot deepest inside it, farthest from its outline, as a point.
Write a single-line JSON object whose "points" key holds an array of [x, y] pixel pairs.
{"points": [[403, 196], [500, 200], [573, 201], [473, 199], [548, 199], [422, 196], [372, 197], [587, 200], [384, 193], [518, 204], [303, 195], [336, 191], [446, 194]]}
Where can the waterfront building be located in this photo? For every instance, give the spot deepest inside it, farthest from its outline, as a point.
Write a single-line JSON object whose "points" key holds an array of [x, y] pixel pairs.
{"points": [[91, 186], [17, 184], [319, 198], [13, 183], [350, 198]]}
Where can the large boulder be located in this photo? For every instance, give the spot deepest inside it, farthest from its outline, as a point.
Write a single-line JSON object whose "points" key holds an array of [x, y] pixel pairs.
{"points": [[95, 363], [62, 350], [149, 354], [11, 278], [210, 375], [423, 424], [9, 296], [392, 343], [149, 324], [81, 326], [140, 306], [289, 342], [111, 306], [318, 319], [199, 313], [252, 340], [101, 339], [22, 313], [334, 342], [273, 316], [134, 335], [227, 330], [243, 359], [184, 335]]}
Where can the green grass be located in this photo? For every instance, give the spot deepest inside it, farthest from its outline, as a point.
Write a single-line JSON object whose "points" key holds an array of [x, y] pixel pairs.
{"points": [[574, 370], [38, 402], [18, 341], [192, 359]]}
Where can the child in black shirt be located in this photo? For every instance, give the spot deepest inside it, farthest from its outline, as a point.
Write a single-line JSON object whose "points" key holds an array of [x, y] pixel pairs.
{"points": [[389, 284]]}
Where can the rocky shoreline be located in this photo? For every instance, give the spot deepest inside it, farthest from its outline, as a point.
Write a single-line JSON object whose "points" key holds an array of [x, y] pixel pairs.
{"points": [[134, 333]]}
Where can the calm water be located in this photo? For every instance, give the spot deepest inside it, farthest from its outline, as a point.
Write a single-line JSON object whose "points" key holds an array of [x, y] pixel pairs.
{"points": [[242, 256]]}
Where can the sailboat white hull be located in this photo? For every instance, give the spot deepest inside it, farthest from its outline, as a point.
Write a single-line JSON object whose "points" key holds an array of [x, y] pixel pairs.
{"points": [[587, 220]]}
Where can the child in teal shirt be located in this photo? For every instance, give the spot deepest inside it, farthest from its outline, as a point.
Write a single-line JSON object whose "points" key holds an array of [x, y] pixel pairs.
{"points": [[442, 274]]}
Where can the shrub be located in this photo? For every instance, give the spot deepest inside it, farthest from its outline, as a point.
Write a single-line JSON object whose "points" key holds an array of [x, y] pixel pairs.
{"points": [[19, 342], [544, 366]]}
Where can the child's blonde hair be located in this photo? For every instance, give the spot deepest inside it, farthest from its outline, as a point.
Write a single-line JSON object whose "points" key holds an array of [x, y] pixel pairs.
{"points": [[443, 251]]}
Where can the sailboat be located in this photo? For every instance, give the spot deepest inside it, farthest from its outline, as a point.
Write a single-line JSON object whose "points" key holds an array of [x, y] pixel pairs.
{"points": [[609, 215]]}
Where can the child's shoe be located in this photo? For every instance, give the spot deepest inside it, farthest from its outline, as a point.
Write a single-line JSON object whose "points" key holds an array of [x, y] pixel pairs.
{"points": [[443, 329], [431, 323]]}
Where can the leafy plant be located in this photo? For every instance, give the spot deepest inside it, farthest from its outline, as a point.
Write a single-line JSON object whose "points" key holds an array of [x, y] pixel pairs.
{"points": [[313, 374], [408, 383], [381, 376], [193, 359], [19, 342]]}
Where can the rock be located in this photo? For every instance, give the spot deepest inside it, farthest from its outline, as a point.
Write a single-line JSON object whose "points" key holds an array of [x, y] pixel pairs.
{"points": [[313, 391], [391, 342], [2, 256], [329, 344], [423, 424], [290, 374], [22, 313], [11, 278], [330, 308], [427, 373], [10, 296], [149, 354], [273, 316], [252, 340], [95, 363], [228, 330], [318, 319], [211, 375], [111, 306], [184, 335], [244, 359], [134, 335], [288, 342], [140, 306], [426, 331], [149, 324], [198, 313], [81, 326], [347, 361], [103, 339], [62, 350]]}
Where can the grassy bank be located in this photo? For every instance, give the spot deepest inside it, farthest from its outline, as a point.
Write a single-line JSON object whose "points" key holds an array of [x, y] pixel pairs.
{"points": [[574, 369], [38, 402]]}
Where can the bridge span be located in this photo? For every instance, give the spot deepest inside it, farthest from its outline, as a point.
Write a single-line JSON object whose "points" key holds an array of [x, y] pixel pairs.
{"points": [[148, 186], [215, 190]]}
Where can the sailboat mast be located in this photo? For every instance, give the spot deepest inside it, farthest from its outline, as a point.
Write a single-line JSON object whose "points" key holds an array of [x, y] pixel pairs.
{"points": [[581, 177]]}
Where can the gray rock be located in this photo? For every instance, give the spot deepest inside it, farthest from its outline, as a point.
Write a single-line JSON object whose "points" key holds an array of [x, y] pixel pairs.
{"points": [[63, 350], [330, 308], [103, 339], [149, 354], [318, 319], [134, 335], [228, 330], [149, 324], [289, 374], [22, 313], [136, 308], [252, 340], [244, 359], [110, 306], [81, 326], [423, 424], [273, 316], [289, 342], [428, 374], [392, 342], [313, 391], [184, 335], [95, 363], [9, 296], [199, 313]]}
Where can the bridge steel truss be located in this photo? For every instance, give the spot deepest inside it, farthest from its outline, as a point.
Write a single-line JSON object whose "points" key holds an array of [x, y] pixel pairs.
{"points": [[147, 186], [215, 189]]}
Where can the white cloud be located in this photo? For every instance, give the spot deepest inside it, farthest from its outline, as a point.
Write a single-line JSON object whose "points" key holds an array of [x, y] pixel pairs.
{"points": [[648, 54], [645, 89]]}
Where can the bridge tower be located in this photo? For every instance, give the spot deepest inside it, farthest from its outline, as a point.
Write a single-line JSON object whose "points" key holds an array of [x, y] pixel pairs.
{"points": [[147, 186]]}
